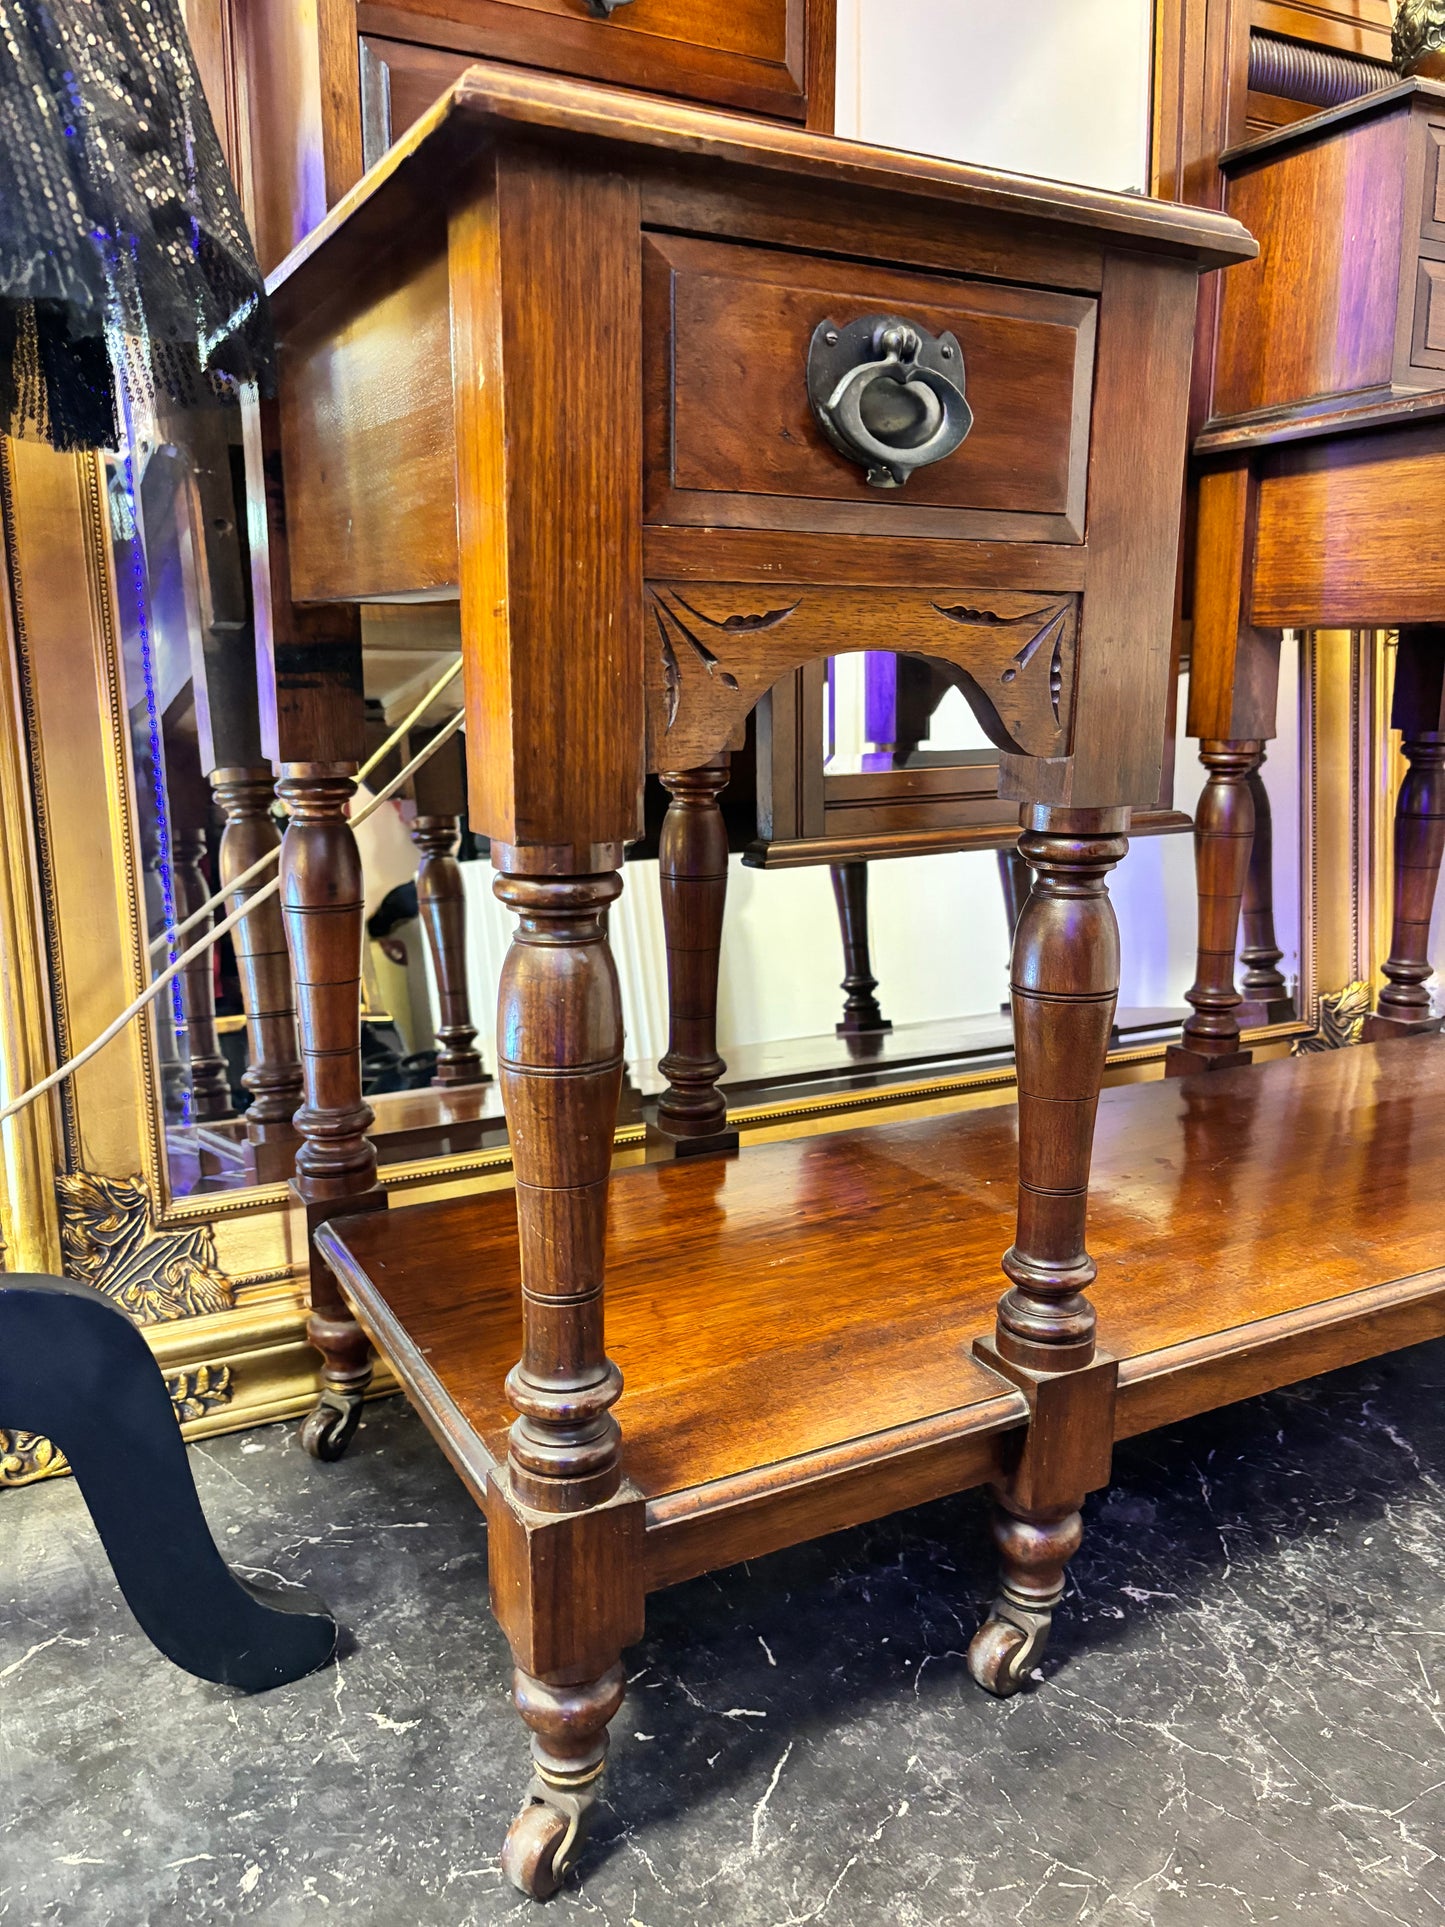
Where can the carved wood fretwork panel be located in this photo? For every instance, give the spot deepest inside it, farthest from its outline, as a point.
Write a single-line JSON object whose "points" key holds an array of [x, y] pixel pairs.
{"points": [[713, 649]]}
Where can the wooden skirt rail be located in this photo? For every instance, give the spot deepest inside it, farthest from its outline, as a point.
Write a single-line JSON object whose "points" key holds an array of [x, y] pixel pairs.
{"points": [[795, 1324]]}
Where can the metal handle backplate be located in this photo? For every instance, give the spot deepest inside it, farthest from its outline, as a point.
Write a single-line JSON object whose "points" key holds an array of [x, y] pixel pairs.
{"points": [[603, 9], [888, 394]]}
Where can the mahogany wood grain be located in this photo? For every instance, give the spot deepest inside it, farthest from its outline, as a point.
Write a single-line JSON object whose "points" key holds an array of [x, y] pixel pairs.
{"points": [[321, 900], [862, 1015], [1418, 712], [545, 274], [727, 414], [210, 1086], [750, 57], [713, 650], [1266, 998], [1065, 985], [559, 1062], [1223, 840], [441, 906], [273, 1070], [692, 864], [1300, 1189], [1316, 311], [497, 102], [1136, 488], [1233, 666], [1373, 495]]}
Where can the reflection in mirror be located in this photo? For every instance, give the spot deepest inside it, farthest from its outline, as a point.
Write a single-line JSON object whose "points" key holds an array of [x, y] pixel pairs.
{"points": [[888, 712]]}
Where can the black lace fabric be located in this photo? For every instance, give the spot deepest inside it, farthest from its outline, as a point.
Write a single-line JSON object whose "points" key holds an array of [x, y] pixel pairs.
{"points": [[123, 251]]}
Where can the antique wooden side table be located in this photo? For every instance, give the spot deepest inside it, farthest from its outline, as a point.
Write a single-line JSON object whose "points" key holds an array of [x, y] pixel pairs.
{"points": [[1318, 505], [677, 403]]}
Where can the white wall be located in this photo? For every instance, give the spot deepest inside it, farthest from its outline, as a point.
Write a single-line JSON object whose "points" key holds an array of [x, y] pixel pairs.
{"points": [[1053, 87]]}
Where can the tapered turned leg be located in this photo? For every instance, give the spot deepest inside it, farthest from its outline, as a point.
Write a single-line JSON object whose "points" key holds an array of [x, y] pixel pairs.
{"points": [[322, 898], [1015, 881], [692, 1113], [1223, 836], [1266, 998], [862, 1016], [1418, 712], [210, 1087], [557, 1506], [441, 906], [1065, 985], [273, 1072]]}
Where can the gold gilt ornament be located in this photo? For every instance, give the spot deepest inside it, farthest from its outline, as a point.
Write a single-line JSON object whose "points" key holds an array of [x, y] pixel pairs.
{"points": [[195, 1392], [1342, 1020], [109, 1239], [1417, 42]]}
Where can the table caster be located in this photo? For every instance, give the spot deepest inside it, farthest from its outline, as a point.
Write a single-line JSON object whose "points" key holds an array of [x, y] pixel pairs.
{"points": [[1003, 1652], [544, 1840], [329, 1427]]}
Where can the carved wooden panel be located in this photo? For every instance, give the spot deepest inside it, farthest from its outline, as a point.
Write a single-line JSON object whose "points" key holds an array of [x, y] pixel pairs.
{"points": [[1427, 349], [713, 649], [731, 439], [1432, 206]]}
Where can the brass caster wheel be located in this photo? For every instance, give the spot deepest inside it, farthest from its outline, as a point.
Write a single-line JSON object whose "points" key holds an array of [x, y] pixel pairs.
{"points": [[538, 1850], [329, 1427], [1007, 1647], [993, 1657]]}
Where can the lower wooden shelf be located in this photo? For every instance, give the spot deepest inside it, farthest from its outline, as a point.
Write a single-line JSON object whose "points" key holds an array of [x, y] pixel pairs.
{"points": [[794, 1323]]}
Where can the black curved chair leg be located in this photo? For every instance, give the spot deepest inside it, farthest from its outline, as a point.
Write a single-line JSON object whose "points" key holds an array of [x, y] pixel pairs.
{"points": [[74, 1367]]}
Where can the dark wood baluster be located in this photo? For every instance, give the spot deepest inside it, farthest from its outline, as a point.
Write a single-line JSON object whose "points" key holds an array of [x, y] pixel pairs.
{"points": [[441, 906], [559, 1062], [1403, 1006], [1015, 880], [692, 1113], [1266, 998], [210, 1086], [862, 1015], [321, 897], [1223, 836], [1065, 986], [273, 1073], [559, 1059]]}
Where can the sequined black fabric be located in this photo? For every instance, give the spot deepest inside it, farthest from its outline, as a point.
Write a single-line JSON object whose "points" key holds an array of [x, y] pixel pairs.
{"points": [[121, 238]]}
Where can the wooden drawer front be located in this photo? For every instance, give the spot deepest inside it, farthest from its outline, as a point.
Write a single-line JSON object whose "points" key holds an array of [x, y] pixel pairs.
{"points": [[1432, 206], [1427, 346], [748, 54], [731, 440]]}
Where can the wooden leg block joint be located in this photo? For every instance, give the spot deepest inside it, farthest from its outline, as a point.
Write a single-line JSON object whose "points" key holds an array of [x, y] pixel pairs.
{"points": [[568, 1591]]}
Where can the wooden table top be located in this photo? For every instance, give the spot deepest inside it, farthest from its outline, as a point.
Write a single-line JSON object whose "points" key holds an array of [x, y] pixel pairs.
{"points": [[798, 1296]]}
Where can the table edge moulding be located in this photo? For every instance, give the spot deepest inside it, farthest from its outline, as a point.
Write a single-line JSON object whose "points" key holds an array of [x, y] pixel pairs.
{"points": [[472, 350]]}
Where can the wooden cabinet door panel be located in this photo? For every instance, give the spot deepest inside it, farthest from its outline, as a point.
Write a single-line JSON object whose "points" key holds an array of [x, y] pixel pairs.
{"points": [[748, 55], [731, 439]]}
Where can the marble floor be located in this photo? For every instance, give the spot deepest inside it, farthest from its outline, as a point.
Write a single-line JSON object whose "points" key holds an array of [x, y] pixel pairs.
{"points": [[1240, 1721]]}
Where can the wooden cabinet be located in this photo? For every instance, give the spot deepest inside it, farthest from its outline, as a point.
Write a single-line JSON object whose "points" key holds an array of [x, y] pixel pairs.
{"points": [[1319, 476], [563, 356], [328, 87]]}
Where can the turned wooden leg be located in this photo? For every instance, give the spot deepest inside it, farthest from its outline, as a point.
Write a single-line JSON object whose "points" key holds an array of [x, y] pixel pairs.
{"points": [[273, 1072], [321, 896], [557, 1505], [692, 1113], [1223, 835], [1015, 881], [1065, 985], [569, 1751], [441, 906], [861, 1013], [1418, 712], [1266, 998], [210, 1086]]}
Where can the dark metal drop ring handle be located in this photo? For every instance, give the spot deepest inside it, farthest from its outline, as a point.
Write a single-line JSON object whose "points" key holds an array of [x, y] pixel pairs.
{"points": [[888, 394]]}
